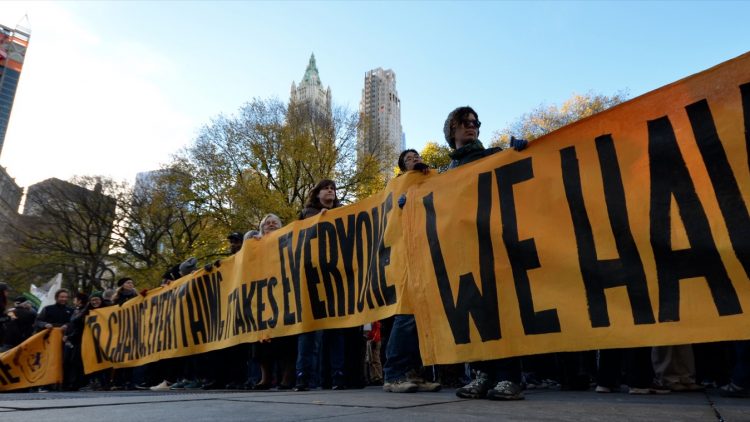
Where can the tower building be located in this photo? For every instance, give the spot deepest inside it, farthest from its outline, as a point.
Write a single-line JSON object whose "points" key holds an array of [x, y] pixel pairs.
{"points": [[13, 45], [310, 90], [380, 113]]}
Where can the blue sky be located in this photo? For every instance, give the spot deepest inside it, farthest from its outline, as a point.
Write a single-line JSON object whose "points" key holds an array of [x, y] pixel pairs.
{"points": [[115, 87]]}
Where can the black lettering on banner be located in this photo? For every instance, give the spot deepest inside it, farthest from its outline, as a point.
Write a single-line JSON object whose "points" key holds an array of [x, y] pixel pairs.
{"points": [[272, 282], [248, 290], [328, 257], [286, 242], [346, 246], [521, 253], [384, 253], [195, 319], [260, 305], [670, 177], [600, 274], [311, 275], [95, 328], [482, 306], [373, 281], [728, 195], [6, 375], [363, 224], [111, 320]]}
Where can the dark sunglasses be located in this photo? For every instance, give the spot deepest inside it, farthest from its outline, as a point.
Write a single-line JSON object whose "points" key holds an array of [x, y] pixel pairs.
{"points": [[471, 123]]}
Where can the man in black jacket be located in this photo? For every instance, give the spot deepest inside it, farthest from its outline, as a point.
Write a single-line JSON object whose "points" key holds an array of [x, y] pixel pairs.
{"points": [[57, 314]]}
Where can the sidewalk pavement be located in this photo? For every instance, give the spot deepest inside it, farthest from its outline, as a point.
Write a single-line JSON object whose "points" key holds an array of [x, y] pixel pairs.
{"points": [[370, 404]]}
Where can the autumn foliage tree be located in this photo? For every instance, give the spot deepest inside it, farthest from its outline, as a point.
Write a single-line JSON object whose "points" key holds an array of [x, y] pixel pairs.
{"points": [[545, 119]]}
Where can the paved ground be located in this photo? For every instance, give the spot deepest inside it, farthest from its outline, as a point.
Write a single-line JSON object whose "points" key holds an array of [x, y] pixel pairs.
{"points": [[370, 404]]}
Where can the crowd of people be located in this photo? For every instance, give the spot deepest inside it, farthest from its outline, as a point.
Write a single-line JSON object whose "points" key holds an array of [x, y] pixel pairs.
{"points": [[380, 353]]}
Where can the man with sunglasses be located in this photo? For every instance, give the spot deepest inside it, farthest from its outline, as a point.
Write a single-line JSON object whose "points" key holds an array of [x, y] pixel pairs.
{"points": [[461, 130], [497, 379]]}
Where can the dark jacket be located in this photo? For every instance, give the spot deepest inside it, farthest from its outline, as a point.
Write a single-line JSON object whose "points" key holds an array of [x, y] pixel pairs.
{"points": [[19, 329], [57, 315], [470, 152], [308, 212]]}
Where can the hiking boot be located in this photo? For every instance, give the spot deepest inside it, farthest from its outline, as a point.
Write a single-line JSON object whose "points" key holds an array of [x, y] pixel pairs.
{"points": [[401, 385], [422, 384], [505, 390], [477, 388]]}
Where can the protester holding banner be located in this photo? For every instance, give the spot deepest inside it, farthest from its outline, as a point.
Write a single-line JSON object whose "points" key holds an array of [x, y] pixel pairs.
{"points": [[497, 379], [280, 351], [3, 304], [57, 314], [403, 363], [18, 325], [321, 198]]}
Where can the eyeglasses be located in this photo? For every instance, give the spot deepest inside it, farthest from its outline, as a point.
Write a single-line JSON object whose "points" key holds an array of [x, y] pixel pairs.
{"points": [[471, 123]]}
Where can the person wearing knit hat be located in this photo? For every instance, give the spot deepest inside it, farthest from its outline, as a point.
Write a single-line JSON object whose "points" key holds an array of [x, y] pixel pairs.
{"points": [[461, 131], [187, 267]]}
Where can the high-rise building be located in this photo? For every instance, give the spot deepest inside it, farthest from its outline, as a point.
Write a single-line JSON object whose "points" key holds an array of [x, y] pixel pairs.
{"points": [[310, 90], [13, 44], [380, 113]]}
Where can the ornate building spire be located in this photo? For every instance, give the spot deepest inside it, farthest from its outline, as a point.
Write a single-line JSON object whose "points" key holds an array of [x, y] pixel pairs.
{"points": [[310, 90]]}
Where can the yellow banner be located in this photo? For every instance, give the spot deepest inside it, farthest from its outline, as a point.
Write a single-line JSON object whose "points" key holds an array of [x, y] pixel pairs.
{"points": [[334, 270], [629, 228], [37, 361]]}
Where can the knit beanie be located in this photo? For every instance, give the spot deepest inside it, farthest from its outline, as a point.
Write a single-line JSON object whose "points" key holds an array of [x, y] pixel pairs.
{"points": [[187, 267]]}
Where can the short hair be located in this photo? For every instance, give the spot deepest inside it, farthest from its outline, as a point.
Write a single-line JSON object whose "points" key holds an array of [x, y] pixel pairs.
{"points": [[61, 291], [266, 218], [402, 157]]}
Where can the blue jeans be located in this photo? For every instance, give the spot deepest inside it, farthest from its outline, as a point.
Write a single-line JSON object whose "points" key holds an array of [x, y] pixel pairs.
{"points": [[308, 354], [402, 352]]}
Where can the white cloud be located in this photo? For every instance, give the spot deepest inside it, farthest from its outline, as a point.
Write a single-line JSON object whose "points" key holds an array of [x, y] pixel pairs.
{"points": [[89, 106]]}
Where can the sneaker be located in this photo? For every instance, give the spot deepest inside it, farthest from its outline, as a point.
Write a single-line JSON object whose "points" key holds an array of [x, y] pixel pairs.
{"points": [[653, 389], [194, 385], [734, 390], [691, 387], [602, 389], [338, 381], [302, 383], [163, 386], [400, 386], [142, 386], [179, 385], [505, 390], [477, 388], [422, 384], [92, 386], [659, 389]]}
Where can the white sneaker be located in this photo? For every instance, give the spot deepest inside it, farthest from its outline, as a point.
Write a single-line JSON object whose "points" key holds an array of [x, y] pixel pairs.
{"points": [[164, 386]]}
